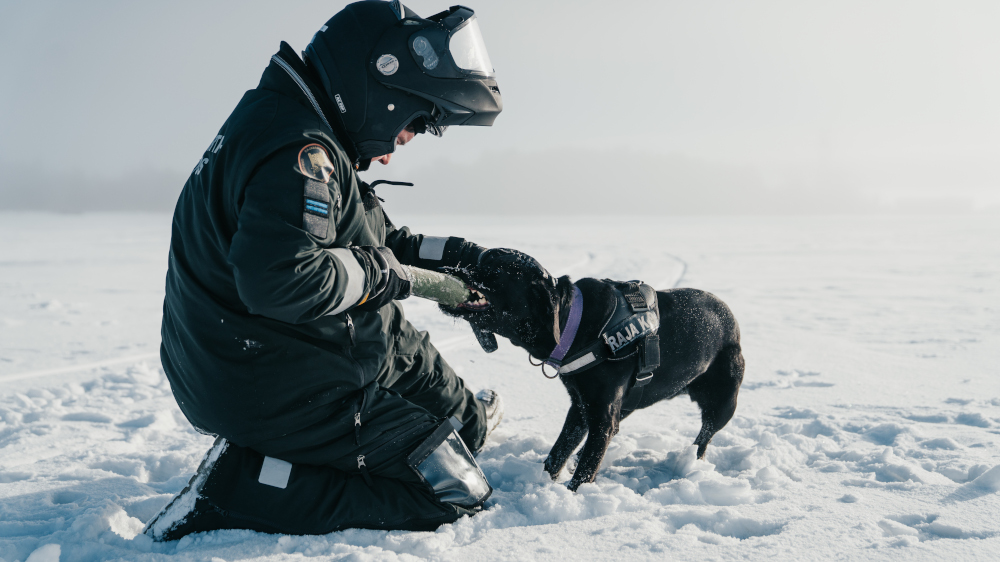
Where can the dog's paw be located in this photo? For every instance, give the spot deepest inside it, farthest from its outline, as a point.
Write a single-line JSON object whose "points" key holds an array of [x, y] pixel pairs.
{"points": [[552, 470]]}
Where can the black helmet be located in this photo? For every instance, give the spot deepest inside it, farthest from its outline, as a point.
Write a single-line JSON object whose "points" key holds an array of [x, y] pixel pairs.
{"points": [[385, 68]]}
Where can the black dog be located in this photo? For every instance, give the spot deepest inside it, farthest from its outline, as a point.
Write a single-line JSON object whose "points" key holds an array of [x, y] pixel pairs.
{"points": [[697, 346]]}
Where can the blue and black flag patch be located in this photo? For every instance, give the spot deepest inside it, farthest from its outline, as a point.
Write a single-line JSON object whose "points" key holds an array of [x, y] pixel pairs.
{"points": [[316, 208]]}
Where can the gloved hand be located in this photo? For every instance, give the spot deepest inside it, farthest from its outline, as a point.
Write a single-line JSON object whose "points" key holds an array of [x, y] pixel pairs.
{"points": [[395, 283], [468, 254]]}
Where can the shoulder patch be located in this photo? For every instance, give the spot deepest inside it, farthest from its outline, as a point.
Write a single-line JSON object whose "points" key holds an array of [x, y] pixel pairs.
{"points": [[315, 163], [316, 208]]}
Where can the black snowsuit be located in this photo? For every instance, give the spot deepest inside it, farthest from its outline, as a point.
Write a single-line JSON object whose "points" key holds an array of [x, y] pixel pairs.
{"points": [[260, 343]]}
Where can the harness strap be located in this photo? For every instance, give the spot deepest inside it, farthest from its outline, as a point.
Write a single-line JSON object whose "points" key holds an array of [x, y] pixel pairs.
{"points": [[631, 330], [634, 396], [569, 333], [588, 357]]}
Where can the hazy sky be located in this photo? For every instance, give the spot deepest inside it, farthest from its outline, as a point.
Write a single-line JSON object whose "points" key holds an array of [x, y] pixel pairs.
{"points": [[864, 99]]}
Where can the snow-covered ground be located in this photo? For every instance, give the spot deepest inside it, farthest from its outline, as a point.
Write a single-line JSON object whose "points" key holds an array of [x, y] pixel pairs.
{"points": [[868, 424]]}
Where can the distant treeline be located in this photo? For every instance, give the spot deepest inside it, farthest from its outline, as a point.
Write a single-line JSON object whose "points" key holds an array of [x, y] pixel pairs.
{"points": [[553, 182], [619, 182]]}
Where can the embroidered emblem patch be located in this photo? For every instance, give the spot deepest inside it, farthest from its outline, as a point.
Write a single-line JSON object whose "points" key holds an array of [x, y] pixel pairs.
{"points": [[315, 163]]}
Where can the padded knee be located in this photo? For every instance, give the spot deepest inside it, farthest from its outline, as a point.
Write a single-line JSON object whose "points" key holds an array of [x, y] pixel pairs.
{"points": [[446, 465]]}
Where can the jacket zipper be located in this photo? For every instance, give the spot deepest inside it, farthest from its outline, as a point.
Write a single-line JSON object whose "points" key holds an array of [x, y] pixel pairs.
{"points": [[359, 407], [302, 85], [364, 471], [363, 467], [350, 328]]}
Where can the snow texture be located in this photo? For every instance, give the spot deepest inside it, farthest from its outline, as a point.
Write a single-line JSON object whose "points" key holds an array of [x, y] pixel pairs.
{"points": [[867, 427]]}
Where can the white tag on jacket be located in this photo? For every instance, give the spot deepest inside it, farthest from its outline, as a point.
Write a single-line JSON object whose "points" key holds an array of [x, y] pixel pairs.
{"points": [[275, 472], [432, 248]]}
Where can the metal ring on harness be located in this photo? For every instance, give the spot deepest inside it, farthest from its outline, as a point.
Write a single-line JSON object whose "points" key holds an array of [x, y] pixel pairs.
{"points": [[546, 374], [541, 364]]}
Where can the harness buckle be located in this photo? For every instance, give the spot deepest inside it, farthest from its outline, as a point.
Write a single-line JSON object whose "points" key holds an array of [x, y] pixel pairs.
{"points": [[642, 379], [634, 297]]}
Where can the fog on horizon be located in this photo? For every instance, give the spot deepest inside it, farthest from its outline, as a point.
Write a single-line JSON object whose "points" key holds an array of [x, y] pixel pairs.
{"points": [[772, 107]]}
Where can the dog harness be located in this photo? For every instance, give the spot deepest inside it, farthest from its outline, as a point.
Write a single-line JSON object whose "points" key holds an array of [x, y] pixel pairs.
{"points": [[630, 330]]}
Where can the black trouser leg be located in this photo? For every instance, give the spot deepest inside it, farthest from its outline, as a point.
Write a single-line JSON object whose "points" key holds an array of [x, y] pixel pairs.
{"points": [[316, 499], [343, 475], [417, 371], [351, 469]]}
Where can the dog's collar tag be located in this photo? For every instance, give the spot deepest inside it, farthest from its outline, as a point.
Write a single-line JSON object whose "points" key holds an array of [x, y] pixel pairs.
{"points": [[569, 333]]}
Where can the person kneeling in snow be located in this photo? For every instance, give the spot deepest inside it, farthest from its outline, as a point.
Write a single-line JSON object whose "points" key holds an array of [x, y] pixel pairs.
{"points": [[281, 334]]}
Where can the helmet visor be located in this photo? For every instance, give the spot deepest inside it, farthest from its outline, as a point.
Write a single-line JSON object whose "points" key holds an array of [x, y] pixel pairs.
{"points": [[469, 50]]}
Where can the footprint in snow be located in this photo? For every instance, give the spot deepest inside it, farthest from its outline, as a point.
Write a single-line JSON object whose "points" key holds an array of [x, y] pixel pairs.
{"points": [[10, 477], [92, 417], [63, 497], [926, 528], [789, 379]]}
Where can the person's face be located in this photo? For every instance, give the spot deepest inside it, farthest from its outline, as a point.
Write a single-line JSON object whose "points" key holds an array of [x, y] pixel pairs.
{"points": [[402, 138]]}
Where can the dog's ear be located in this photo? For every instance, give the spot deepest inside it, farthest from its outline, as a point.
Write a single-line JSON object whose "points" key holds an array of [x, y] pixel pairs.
{"points": [[555, 298], [539, 295]]}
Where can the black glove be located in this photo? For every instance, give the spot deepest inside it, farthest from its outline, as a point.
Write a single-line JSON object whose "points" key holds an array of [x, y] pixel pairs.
{"points": [[394, 282], [468, 254]]}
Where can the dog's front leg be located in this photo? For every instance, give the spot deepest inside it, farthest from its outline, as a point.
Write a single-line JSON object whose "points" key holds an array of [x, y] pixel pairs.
{"points": [[569, 439], [602, 426]]}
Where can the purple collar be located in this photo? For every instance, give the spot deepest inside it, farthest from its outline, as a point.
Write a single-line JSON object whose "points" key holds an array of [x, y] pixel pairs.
{"points": [[569, 333]]}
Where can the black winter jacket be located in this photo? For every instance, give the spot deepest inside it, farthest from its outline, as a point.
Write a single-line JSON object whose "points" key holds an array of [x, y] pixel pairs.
{"points": [[259, 336]]}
